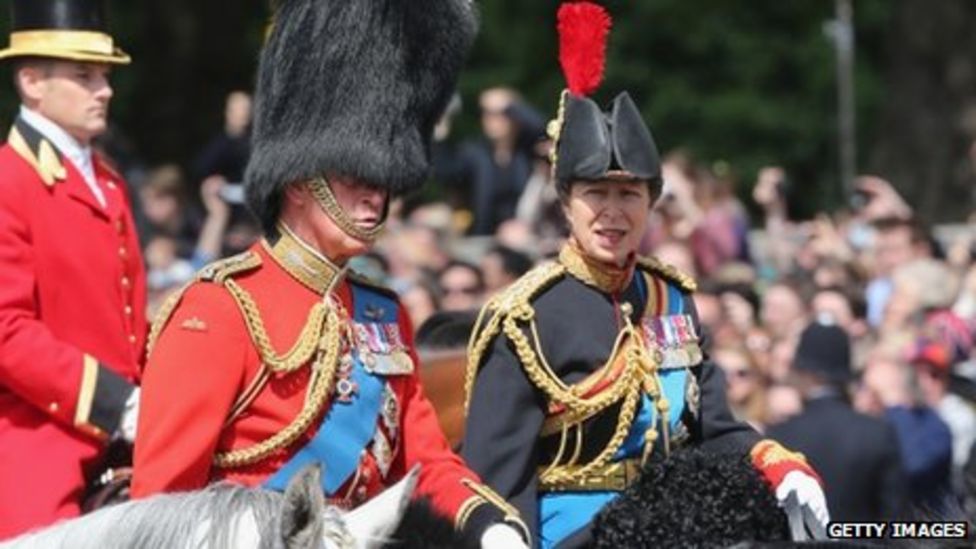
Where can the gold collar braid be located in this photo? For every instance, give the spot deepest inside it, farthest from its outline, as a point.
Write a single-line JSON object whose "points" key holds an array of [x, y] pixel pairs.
{"points": [[606, 278], [327, 200], [304, 263]]}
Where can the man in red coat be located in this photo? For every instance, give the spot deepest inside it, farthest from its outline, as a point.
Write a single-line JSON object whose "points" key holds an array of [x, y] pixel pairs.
{"points": [[280, 358], [72, 285]]}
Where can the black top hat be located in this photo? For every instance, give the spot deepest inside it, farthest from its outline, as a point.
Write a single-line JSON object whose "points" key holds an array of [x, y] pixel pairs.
{"points": [[591, 144], [825, 350], [63, 29]]}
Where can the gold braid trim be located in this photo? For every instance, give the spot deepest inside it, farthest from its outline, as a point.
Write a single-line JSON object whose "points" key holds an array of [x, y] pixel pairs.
{"points": [[324, 367], [303, 348], [217, 271], [668, 272], [327, 201], [511, 312], [555, 129], [500, 307], [485, 495]]}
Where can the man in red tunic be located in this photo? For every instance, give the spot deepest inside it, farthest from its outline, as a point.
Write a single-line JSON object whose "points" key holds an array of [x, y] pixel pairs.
{"points": [[72, 285], [281, 357]]}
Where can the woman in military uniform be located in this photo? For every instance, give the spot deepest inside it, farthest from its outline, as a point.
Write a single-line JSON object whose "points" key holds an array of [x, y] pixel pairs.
{"points": [[589, 366]]}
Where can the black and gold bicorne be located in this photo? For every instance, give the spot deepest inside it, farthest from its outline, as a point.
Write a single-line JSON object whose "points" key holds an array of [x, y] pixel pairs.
{"points": [[577, 375]]}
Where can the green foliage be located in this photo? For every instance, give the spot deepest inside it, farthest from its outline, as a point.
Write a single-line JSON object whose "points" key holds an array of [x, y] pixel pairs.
{"points": [[750, 83]]}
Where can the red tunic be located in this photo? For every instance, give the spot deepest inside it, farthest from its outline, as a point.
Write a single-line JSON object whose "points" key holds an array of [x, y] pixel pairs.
{"points": [[205, 358], [72, 326]]}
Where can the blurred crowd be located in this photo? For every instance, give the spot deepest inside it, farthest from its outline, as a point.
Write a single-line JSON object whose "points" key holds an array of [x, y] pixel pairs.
{"points": [[901, 292]]}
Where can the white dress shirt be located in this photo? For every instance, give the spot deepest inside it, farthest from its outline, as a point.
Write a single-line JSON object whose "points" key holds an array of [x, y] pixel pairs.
{"points": [[75, 152]]}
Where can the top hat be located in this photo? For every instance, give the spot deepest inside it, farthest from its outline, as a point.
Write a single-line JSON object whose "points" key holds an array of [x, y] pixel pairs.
{"points": [[63, 29], [591, 144]]}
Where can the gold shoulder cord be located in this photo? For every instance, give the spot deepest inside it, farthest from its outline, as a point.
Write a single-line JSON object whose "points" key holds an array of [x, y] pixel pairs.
{"points": [[485, 495], [509, 313], [217, 271], [321, 337], [669, 272]]}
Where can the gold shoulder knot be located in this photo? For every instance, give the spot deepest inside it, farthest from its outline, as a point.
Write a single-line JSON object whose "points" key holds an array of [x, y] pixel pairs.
{"points": [[218, 271], [501, 312], [222, 269], [669, 272]]}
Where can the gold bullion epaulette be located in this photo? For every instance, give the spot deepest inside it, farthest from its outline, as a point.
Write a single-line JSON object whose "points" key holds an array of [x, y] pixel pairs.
{"points": [[668, 272], [222, 269], [218, 271], [526, 288], [502, 310]]}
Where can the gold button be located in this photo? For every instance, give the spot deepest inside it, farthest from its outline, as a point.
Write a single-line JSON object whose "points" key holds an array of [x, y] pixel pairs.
{"points": [[122, 252], [125, 282], [132, 338], [128, 310], [119, 226], [53, 407]]}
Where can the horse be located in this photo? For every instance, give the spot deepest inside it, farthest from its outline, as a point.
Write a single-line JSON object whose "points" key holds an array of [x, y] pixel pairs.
{"points": [[224, 515]]}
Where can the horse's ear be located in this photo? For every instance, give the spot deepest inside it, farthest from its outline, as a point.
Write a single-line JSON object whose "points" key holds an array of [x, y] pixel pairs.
{"points": [[301, 517]]}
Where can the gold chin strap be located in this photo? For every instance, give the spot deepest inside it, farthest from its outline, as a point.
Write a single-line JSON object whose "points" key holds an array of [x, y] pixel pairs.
{"points": [[323, 195]]}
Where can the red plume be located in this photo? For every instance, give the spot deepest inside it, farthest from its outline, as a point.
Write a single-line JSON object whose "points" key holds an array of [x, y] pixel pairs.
{"points": [[583, 28]]}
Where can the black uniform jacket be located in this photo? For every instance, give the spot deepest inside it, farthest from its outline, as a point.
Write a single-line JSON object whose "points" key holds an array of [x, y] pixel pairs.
{"points": [[577, 325]]}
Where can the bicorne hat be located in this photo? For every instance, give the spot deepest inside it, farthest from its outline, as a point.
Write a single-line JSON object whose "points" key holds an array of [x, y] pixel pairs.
{"points": [[591, 144], [63, 29]]}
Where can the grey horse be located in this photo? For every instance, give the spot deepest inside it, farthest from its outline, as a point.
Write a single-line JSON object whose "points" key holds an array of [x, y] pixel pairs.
{"points": [[229, 516]]}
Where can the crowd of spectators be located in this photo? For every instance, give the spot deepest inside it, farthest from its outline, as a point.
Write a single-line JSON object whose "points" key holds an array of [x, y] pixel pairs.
{"points": [[902, 295]]}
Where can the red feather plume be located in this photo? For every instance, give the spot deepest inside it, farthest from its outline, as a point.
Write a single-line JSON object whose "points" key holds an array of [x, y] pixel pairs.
{"points": [[583, 28]]}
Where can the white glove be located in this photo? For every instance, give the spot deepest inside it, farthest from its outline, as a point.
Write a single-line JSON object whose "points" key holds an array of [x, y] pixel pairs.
{"points": [[130, 417], [502, 536], [812, 511]]}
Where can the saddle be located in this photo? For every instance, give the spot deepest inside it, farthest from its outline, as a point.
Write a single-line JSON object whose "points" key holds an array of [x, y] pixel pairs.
{"points": [[111, 485]]}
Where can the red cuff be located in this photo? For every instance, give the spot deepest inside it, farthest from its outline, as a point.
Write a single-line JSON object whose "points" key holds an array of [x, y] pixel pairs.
{"points": [[774, 462]]}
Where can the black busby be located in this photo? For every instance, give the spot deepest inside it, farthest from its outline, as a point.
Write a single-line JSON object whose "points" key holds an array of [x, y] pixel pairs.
{"points": [[694, 498], [63, 29], [352, 88], [591, 144]]}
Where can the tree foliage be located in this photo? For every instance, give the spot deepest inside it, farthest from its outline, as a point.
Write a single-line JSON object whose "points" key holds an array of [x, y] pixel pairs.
{"points": [[749, 83]]}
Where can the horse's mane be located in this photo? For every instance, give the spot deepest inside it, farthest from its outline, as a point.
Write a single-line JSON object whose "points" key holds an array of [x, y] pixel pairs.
{"points": [[165, 521]]}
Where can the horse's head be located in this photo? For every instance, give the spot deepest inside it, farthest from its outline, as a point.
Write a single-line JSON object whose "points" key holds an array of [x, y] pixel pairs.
{"points": [[306, 521]]}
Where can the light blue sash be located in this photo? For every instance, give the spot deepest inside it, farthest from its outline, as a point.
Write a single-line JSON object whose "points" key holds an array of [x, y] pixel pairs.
{"points": [[348, 426]]}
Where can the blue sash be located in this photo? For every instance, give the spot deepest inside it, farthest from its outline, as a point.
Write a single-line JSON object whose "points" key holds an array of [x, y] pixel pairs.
{"points": [[348, 427], [562, 514]]}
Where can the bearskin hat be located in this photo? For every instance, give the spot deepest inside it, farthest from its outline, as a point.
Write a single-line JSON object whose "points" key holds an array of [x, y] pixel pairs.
{"points": [[352, 88]]}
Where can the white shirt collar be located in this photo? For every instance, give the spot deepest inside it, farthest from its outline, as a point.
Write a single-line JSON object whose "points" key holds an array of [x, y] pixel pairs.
{"points": [[79, 155]]}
